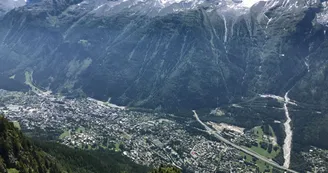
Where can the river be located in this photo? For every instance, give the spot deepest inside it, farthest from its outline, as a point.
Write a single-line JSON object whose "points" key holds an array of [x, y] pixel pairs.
{"points": [[287, 147]]}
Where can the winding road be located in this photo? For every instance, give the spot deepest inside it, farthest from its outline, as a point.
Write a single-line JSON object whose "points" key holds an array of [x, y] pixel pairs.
{"points": [[252, 153]]}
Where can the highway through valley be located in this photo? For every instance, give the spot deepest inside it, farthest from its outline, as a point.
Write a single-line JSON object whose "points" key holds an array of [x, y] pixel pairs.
{"points": [[250, 152]]}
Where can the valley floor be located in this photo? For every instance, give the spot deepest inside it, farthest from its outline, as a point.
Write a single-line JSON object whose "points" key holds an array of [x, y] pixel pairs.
{"points": [[148, 138]]}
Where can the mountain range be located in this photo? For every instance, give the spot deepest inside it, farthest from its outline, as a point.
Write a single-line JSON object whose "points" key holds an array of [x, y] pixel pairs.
{"points": [[175, 55], [166, 54]]}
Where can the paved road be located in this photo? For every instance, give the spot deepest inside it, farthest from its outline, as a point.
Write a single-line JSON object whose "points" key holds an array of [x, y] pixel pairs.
{"points": [[250, 152]]}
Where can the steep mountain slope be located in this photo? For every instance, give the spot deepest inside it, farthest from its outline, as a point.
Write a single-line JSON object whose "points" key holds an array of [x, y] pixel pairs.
{"points": [[18, 153], [92, 161], [161, 55], [166, 169]]}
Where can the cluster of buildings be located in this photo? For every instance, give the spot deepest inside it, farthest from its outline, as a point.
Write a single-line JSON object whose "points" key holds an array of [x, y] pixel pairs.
{"points": [[147, 138], [317, 159]]}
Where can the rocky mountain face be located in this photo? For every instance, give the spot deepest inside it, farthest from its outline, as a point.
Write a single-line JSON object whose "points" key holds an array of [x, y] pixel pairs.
{"points": [[7, 5], [174, 55], [163, 54]]}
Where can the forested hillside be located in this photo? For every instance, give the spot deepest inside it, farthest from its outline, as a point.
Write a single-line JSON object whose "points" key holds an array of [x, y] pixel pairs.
{"points": [[91, 161], [19, 154]]}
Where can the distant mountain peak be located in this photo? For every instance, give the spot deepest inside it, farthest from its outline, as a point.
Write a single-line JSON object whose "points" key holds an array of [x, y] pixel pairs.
{"points": [[162, 7], [7, 5]]}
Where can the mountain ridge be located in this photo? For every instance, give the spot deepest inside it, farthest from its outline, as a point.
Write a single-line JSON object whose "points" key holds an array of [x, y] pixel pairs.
{"points": [[219, 31]]}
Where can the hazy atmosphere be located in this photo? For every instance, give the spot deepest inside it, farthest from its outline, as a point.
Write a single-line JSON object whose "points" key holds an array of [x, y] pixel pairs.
{"points": [[163, 86]]}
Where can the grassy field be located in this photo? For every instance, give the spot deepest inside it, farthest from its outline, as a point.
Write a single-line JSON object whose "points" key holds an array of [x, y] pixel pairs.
{"points": [[80, 130], [17, 125], [265, 153], [262, 166], [29, 82], [258, 131], [64, 134], [28, 78], [117, 147], [12, 170]]}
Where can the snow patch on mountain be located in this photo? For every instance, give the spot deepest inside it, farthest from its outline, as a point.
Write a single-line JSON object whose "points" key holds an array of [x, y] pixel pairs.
{"points": [[7, 5], [240, 3], [249, 3], [169, 2], [322, 17], [10, 4], [179, 5]]}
